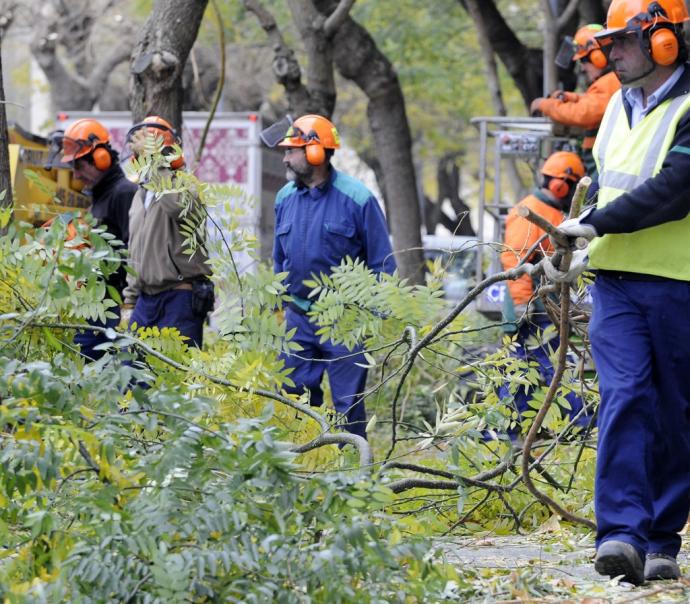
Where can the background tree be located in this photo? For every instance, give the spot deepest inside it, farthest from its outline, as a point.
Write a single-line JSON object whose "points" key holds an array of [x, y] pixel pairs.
{"points": [[78, 44], [159, 58], [6, 15]]}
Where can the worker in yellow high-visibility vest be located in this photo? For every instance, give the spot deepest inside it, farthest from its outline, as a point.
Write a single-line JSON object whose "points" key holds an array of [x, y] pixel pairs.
{"points": [[640, 328]]}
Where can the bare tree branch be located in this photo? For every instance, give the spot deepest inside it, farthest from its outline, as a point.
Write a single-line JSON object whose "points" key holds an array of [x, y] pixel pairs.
{"points": [[285, 65], [337, 17], [567, 14]]}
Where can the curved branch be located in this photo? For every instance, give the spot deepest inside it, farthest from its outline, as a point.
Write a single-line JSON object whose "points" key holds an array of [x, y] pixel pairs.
{"points": [[337, 17], [567, 14], [564, 333], [285, 65], [365, 456]]}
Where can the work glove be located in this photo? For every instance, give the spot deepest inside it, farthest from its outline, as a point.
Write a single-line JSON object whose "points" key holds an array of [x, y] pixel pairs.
{"points": [[578, 264], [565, 96], [574, 228]]}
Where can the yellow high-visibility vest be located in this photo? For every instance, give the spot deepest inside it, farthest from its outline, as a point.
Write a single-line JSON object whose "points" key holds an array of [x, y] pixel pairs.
{"points": [[625, 158]]}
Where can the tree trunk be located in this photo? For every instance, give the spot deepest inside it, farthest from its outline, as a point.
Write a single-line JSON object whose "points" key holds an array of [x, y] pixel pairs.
{"points": [[5, 177], [358, 59], [320, 76], [158, 60]]}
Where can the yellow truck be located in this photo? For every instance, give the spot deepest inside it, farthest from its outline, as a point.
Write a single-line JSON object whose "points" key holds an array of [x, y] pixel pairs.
{"points": [[40, 193]]}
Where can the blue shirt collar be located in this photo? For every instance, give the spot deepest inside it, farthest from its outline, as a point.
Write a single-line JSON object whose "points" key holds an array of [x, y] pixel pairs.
{"points": [[634, 96]]}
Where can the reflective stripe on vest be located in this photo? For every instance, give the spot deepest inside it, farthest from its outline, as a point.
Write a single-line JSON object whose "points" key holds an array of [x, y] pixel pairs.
{"points": [[626, 157]]}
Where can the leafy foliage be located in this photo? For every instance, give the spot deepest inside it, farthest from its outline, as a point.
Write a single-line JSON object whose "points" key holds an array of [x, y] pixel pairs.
{"points": [[163, 472]]}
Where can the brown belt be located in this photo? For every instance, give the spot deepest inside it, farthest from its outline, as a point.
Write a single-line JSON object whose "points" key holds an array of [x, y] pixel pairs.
{"points": [[187, 286]]}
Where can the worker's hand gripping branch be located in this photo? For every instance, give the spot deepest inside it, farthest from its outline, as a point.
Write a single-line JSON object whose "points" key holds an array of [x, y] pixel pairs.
{"points": [[570, 240], [574, 228]]}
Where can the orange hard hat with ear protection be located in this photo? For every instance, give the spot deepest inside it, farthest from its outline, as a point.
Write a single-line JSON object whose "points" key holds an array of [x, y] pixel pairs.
{"points": [[316, 134], [657, 22], [587, 47], [564, 168], [159, 127], [87, 137]]}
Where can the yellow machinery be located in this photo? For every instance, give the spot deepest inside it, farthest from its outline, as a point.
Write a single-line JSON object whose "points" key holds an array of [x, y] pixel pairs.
{"points": [[40, 194]]}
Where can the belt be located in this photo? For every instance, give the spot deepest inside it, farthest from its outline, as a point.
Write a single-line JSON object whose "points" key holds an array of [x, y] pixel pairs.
{"points": [[634, 276], [186, 286]]}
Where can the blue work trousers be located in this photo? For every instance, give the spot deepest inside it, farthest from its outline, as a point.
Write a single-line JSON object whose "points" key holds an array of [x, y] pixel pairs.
{"points": [[532, 346], [172, 308], [347, 380], [88, 340], [640, 334]]}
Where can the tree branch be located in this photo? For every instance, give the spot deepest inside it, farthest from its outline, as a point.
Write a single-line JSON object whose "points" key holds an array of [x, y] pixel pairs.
{"points": [[285, 65], [337, 17], [567, 14]]}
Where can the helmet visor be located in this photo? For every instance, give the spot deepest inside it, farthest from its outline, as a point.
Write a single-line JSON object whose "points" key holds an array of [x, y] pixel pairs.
{"points": [[565, 54], [275, 133]]}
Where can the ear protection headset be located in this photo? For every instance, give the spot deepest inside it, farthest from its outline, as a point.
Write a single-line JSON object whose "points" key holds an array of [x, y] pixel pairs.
{"points": [[598, 59], [313, 149], [101, 155], [664, 47], [560, 187], [170, 138], [315, 153]]}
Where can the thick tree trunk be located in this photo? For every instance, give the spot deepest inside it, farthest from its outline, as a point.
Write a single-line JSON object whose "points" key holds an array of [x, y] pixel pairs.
{"points": [[159, 57], [5, 178], [358, 59]]}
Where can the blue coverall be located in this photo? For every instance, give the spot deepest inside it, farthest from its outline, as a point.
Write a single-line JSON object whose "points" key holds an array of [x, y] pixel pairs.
{"points": [[316, 228]]}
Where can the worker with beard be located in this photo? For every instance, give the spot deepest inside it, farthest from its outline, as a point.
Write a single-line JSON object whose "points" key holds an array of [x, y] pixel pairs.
{"points": [[324, 216]]}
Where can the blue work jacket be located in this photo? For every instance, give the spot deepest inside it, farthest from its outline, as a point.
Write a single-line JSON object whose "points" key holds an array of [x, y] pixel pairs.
{"points": [[316, 228]]}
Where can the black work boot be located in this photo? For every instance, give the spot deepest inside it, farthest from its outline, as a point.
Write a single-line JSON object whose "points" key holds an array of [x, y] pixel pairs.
{"points": [[616, 558], [661, 566]]}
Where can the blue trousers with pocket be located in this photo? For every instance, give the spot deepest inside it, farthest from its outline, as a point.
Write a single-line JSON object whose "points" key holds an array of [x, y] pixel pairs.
{"points": [[88, 340], [172, 308], [640, 335], [346, 378]]}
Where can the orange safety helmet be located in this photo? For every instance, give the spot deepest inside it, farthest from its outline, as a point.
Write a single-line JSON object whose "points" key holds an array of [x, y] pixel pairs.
{"points": [[159, 127], [561, 167], [87, 136], [314, 132], [657, 18], [586, 45]]}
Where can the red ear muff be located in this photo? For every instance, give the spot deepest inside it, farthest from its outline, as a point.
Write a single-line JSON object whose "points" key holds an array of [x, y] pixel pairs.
{"points": [[101, 158], [663, 46], [598, 59], [559, 187], [316, 154], [177, 163]]}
